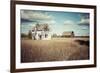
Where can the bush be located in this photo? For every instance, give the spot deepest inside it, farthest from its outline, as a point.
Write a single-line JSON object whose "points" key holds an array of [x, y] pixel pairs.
{"points": [[30, 35], [23, 35]]}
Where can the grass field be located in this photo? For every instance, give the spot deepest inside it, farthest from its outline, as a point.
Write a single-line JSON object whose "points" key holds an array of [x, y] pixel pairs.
{"points": [[56, 49]]}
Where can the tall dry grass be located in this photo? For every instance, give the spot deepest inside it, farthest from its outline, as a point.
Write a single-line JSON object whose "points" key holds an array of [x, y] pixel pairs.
{"points": [[53, 50]]}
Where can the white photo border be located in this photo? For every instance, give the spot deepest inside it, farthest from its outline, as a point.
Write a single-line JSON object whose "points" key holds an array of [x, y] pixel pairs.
{"points": [[20, 65]]}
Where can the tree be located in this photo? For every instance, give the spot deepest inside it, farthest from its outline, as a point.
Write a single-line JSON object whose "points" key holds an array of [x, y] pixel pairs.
{"points": [[30, 34], [73, 34], [23, 35], [54, 35], [37, 26], [46, 29]]}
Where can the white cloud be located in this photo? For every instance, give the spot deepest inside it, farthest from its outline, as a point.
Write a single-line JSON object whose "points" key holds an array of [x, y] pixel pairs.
{"points": [[49, 22], [69, 22], [84, 22], [26, 27], [34, 15]]}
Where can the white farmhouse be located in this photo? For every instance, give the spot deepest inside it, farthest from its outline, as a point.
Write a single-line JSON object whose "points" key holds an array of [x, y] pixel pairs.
{"points": [[40, 32]]}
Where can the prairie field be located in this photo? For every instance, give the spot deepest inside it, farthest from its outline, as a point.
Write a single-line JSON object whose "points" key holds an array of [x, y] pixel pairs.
{"points": [[56, 49]]}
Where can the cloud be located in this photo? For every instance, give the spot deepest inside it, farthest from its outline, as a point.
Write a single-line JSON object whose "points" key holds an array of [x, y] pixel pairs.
{"points": [[85, 15], [84, 22], [26, 20], [84, 28], [68, 22], [49, 22], [34, 15], [84, 19], [77, 26]]}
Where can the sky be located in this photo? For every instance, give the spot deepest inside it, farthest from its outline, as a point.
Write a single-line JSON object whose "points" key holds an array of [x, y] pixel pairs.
{"points": [[58, 21]]}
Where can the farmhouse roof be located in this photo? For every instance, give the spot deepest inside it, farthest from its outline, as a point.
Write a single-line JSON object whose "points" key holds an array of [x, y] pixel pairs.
{"points": [[67, 33]]}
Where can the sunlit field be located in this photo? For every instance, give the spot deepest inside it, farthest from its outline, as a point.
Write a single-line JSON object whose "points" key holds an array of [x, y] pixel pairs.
{"points": [[56, 49]]}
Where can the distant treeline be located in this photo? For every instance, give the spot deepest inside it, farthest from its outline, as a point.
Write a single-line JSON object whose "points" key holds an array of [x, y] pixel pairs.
{"points": [[29, 35], [81, 36], [70, 36], [24, 35]]}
